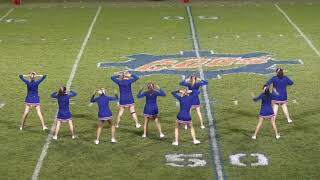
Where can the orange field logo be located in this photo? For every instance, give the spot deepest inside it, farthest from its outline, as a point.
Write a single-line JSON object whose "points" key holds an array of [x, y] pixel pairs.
{"points": [[187, 63]]}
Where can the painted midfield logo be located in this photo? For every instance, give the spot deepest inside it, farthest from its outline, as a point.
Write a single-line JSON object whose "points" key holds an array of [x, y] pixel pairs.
{"points": [[187, 63]]}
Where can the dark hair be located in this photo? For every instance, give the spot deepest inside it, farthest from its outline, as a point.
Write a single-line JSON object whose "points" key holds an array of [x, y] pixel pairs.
{"points": [[62, 90], [102, 91], [121, 75], [195, 79], [150, 86], [279, 72], [186, 92], [32, 75], [266, 89]]}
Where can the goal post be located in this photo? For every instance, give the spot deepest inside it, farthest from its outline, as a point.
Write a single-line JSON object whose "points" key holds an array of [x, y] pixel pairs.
{"points": [[16, 2]]}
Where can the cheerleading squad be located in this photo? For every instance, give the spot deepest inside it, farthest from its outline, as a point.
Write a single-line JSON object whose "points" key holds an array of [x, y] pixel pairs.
{"points": [[188, 98]]}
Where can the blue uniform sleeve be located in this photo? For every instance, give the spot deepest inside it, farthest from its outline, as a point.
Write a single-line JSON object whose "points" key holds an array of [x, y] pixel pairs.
{"points": [[161, 93], [270, 81], [72, 94], [134, 78], [23, 79], [115, 79], [257, 98], [289, 81], [42, 78], [184, 83], [93, 99], [54, 95], [140, 94], [175, 94], [115, 98], [203, 82]]}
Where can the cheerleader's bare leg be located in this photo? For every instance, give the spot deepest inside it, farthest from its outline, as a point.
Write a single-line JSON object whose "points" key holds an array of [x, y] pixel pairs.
{"points": [[99, 129], [259, 125], [38, 108], [113, 131], [120, 113], [24, 116], [57, 130], [200, 117], [176, 135], [134, 116], [286, 112], [274, 126], [275, 109], [71, 129], [157, 120], [145, 126], [193, 134]]}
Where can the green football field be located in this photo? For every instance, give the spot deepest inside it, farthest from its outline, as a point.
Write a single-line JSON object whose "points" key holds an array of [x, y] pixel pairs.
{"points": [[57, 37]]}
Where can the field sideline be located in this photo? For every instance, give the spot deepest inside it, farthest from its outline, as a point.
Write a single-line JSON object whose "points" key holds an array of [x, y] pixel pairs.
{"points": [[36, 37]]}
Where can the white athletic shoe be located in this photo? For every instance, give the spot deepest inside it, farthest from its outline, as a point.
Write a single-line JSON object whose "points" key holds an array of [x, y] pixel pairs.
{"points": [[289, 120], [162, 135], [96, 141], [196, 141], [117, 126], [175, 143], [144, 136], [254, 137], [20, 128], [45, 128], [113, 140], [185, 127], [55, 137], [74, 137], [202, 127], [138, 125], [278, 136]]}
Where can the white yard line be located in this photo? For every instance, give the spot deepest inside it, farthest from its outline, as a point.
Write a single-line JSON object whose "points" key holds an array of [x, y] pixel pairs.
{"points": [[212, 130], [308, 41], [71, 77], [84, 44], [7, 14]]}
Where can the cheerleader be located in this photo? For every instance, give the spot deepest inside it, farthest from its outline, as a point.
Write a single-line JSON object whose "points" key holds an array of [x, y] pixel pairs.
{"points": [[124, 81], [64, 114], [186, 100], [151, 107], [194, 83], [266, 111], [32, 99], [104, 113], [280, 83]]}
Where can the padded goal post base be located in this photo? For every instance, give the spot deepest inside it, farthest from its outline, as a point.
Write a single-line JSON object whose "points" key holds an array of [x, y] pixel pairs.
{"points": [[16, 2]]}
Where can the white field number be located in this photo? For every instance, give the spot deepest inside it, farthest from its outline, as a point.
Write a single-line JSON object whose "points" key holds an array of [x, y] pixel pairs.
{"points": [[181, 17], [208, 17], [173, 18], [261, 159], [185, 160]]}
